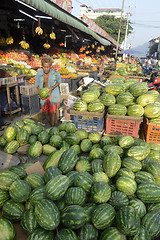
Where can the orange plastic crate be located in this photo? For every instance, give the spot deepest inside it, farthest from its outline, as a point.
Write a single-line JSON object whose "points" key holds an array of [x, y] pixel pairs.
{"points": [[151, 131], [126, 125]]}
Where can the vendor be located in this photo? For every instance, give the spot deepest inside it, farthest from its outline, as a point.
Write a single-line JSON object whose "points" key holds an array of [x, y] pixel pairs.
{"points": [[51, 79], [101, 67], [2, 123]]}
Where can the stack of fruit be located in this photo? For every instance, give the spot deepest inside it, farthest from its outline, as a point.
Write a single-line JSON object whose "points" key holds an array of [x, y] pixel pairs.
{"points": [[111, 192]]}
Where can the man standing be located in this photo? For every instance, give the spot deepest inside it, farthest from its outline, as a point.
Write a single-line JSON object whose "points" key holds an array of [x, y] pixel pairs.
{"points": [[51, 79]]}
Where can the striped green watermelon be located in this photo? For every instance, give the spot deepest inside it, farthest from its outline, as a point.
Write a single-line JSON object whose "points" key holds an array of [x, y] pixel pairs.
{"points": [[138, 89], [63, 134], [80, 105], [142, 234], [103, 216], [151, 222], [13, 211], [125, 172], [47, 214], [135, 110], [19, 191], [143, 177], [89, 207], [111, 164], [153, 167], [95, 137], [6, 179], [114, 88], [89, 96], [19, 171], [70, 127], [28, 129], [118, 199], [4, 196], [155, 155], [37, 195], [138, 152], [88, 232], [32, 139], [76, 148], [20, 123], [73, 138], [48, 149], [105, 140], [51, 172], [96, 106], [86, 145], [10, 133], [66, 234], [61, 204], [126, 185], [148, 192], [22, 137], [36, 129], [29, 121], [117, 109], [67, 161], [44, 93], [55, 141], [152, 110], [132, 164], [100, 177], [84, 180], [154, 207], [56, 187], [35, 149], [127, 221], [3, 141], [100, 192], [126, 142], [7, 230], [125, 98], [145, 99], [112, 233], [139, 206], [52, 159], [107, 99], [83, 166], [96, 153], [97, 165], [28, 222], [75, 196], [35, 180], [73, 216], [62, 126], [41, 234], [11, 147], [43, 137], [113, 148], [54, 131], [71, 177]]}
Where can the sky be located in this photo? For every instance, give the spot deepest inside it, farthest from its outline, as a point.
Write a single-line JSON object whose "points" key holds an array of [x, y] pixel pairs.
{"points": [[144, 14]]}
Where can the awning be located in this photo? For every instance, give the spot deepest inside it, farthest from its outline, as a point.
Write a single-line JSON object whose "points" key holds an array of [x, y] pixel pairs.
{"points": [[63, 16]]}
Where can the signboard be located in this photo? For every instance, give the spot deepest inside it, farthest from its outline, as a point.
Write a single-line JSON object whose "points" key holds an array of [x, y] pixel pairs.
{"points": [[65, 4], [93, 26]]}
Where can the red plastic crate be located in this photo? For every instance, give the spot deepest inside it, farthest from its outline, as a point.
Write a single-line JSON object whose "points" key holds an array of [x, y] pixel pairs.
{"points": [[151, 131], [126, 125]]}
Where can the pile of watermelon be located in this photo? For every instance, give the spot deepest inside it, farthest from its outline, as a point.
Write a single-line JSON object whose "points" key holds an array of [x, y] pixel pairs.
{"points": [[94, 187]]}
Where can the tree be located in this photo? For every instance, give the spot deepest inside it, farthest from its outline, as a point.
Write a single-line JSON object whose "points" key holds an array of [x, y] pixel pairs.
{"points": [[111, 25]]}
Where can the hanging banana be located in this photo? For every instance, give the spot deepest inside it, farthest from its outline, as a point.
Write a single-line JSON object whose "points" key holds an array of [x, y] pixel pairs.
{"points": [[39, 30], [46, 45], [24, 44], [52, 35], [9, 40]]}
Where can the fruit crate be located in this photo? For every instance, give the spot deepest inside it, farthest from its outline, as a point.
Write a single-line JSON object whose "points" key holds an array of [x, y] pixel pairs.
{"points": [[7, 80], [126, 125], [28, 90], [151, 131], [88, 121], [139, 78], [30, 104]]}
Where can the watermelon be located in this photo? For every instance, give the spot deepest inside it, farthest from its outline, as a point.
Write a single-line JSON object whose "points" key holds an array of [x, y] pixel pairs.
{"points": [[112, 233], [20, 123], [71, 176], [127, 221], [29, 121], [107, 99], [132, 164], [84, 180], [6, 179], [111, 164], [125, 172], [97, 165], [62, 126], [67, 161], [70, 127], [96, 153], [89, 207], [88, 232], [28, 129], [63, 134], [11, 147], [10, 133], [83, 166], [125, 98], [43, 137], [138, 89], [41, 234], [118, 199], [145, 99], [32, 139], [51, 172], [148, 192], [73, 216], [44, 93], [75, 196], [22, 137], [35, 149], [153, 168], [47, 214], [100, 177], [143, 177], [76, 148], [55, 141], [126, 185], [19, 171], [4, 196], [117, 109], [113, 148], [82, 133], [86, 145], [96, 106], [36, 129], [37, 195], [138, 152], [155, 155], [135, 110], [13, 211], [19, 191], [152, 110], [73, 138], [103, 216], [3, 141], [114, 88], [7, 230], [52, 159], [28, 222], [142, 234], [126, 142], [151, 222], [100, 192], [154, 207], [54, 131], [48, 149], [80, 105], [60, 204], [56, 187], [95, 137], [89, 96], [139, 206], [66, 234]]}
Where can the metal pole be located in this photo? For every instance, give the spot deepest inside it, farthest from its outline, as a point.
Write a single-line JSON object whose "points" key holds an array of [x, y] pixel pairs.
{"points": [[125, 39], [119, 32]]}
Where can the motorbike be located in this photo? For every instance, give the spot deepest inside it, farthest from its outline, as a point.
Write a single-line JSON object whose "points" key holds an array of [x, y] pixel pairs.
{"points": [[153, 82]]}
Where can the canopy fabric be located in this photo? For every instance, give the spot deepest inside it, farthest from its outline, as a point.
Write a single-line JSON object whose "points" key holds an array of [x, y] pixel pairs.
{"points": [[130, 51], [64, 17]]}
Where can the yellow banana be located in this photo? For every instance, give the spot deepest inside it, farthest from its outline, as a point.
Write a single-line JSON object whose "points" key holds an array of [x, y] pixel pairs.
{"points": [[52, 35], [39, 30], [46, 45]]}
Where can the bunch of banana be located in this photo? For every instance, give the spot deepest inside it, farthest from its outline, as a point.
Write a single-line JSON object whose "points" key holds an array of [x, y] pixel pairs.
{"points": [[52, 35], [2, 41], [102, 48], [46, 45], [39, 30], [9, 40], [24, 44]]}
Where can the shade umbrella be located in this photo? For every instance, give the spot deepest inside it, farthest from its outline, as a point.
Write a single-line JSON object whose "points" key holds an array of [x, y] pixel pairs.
{"points": [[129, 51]]}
